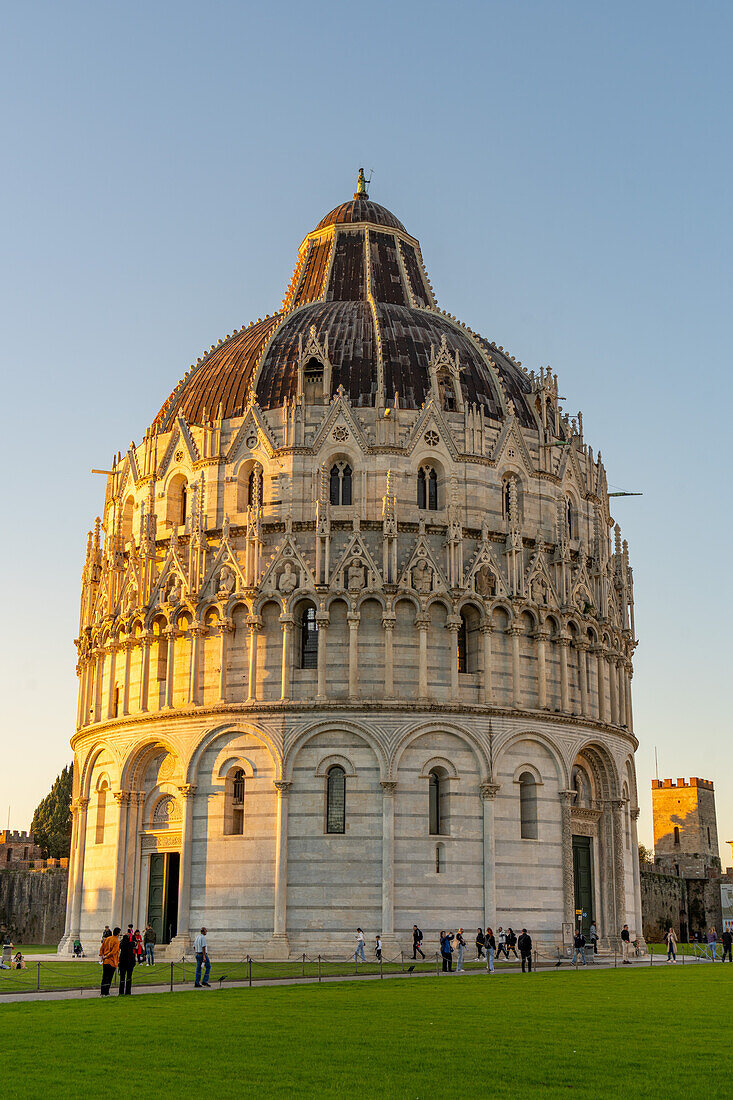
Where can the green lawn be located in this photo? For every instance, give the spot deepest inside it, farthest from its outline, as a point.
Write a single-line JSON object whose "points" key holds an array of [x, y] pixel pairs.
{"points": [[616, 1033]]}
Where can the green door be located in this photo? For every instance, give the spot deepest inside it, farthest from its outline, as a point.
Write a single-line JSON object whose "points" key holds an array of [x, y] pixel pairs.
{"points": [[583, 875], [157, 895]]}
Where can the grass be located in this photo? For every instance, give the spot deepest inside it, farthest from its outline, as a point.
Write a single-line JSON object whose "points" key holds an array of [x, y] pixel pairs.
{"points": [[614, 1033]]}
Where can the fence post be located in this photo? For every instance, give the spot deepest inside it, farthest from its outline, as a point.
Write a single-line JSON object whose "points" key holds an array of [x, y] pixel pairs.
{"points": [[381, 974], [249, 969], [38, 980], [651, 954], [319, 968], [171, 977], [437, 963], [183, 960], [535, 958], [304, 964], [614, 956], [402, 961], [356, 963]]}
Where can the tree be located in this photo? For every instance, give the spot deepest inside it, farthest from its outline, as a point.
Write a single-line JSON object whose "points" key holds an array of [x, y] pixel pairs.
{"points": [[51, 825], [645, 855]]}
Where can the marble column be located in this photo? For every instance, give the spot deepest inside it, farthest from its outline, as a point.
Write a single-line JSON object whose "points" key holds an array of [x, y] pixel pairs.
{"points": [[581, 648], [353, 618], [600, 682], [128, 644], [542, 636], [254, 623], [198, 631], [486, 686], [621, 682], [183, 933], [453, 626], [619, 877], [122, 798], [226, 627], [96, 706], [111, 683], [613, 690], [514, 632], [388, 624], [286, 622], [422, 622], [388, 799], [629, 712], [568, 877], [280, 922], [145, 641], [564, 689], [323, 620], [137, 800], [488, 793], [82, 805], [638, 915]]}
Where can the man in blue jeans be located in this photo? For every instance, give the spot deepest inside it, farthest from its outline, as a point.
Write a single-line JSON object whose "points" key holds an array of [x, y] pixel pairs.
{"points": [[202, 959]]}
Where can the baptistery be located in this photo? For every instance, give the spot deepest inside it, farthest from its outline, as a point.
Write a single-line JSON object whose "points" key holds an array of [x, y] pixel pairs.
{"points": [[356, 637]]}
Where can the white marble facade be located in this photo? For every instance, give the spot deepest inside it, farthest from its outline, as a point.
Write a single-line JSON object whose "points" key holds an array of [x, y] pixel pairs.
{"points": [[247, 626]]}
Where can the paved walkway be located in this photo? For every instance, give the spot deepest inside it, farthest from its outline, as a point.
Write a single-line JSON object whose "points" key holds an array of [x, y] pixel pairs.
{"points": [[141, 990]]}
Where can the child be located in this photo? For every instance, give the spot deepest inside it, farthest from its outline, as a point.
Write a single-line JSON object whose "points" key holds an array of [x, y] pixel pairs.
{"points": [[378, 949]]}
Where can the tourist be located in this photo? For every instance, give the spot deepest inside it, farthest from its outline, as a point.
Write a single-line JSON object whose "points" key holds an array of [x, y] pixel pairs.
{"points": [[490, 945], [139, 949], [626, 944], [593, 937], [479, 944], [511, 943], [578, 947], [18, 961], [109, 953], [525, 949], [127, 962], [446, 950], [671, 940], [727, 941], [378, 948], [149, 940], [713, 943], [359, 953], [107, 932], [78, 950], [416, 941], [202, 959], [501, 943], [461, 948]]}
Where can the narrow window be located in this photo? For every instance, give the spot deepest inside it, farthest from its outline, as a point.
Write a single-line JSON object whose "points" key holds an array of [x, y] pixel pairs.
{"points": [[432, 491], [116, 702], [101, 814], [346, 485], [462, 638], [8, 855], [238, 803], [309, 638], [676, 836], [254, 487], [422, 500], [437, 802], [335, 485], [336, 800], [570, 518], [439, 858], [25, 853], [507, 500], [184, 502], [708, 836], [340, 483], [528, 806]]}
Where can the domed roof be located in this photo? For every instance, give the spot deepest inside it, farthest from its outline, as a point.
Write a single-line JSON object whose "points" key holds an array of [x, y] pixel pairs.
{"points": [[360, 289]]}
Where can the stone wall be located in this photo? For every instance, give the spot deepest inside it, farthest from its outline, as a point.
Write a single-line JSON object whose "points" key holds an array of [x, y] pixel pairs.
{"points": [[33, 905], [663, 899]]}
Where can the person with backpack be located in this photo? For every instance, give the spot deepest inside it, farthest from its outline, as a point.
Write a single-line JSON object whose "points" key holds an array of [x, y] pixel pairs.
{"points": [[525, 950], [416, 941], [446, 950], [511, 943], [479, 944]]}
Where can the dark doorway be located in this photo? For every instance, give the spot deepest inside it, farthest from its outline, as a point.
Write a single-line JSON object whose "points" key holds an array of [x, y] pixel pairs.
{"points": [[163, 895], [583, 876]]}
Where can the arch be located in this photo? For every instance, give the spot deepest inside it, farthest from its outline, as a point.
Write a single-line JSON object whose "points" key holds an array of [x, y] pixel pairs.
{"points": [[336, 799], [439, 858], [562, 771], [440, 727], [133, 768], [438, 796], [93, 754], [341, 477], [603, 767], [236, 762], [234, 792], [177, 505], [102, 780], [164, 810], [191, 769], [327, 762], [528, 806], [439, 762], [571, 515], [250, 485], [427, 484], [376, 596], [330, 726], [533, 771], [269, 597]]}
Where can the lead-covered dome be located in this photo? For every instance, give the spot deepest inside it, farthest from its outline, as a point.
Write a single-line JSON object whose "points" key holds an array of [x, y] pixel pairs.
{"points": [[361, 289]]}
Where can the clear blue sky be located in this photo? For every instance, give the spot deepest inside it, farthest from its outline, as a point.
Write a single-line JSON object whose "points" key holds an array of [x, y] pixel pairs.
{"points": [[567, 169]]}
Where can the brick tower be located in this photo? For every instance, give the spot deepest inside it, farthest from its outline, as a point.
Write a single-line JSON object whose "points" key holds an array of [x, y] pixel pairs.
{"points": [[685, 826]]}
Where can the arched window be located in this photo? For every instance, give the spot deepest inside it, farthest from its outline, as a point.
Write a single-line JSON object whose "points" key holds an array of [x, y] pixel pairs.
{"points": [[308, 637], [438, 802], [127, 518], [101, 814], [462, 639], [676, 836], [511, 488], [313, 375], [528, 806], [439, 858], [341, 474], [468, 640], [234, 803], [177, 501], [336, 800], [255, 487], [427, 488], [570, 519]]}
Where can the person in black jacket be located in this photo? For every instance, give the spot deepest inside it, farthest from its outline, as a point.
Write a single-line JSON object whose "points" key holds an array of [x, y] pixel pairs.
{"points": [[511, 943], [416, 941], [127, 961], [446, 950], [727, 940], [524, 944]]}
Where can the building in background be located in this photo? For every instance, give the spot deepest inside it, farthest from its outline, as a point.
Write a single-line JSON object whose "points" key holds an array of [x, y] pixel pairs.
{"points": [[356, 636]]}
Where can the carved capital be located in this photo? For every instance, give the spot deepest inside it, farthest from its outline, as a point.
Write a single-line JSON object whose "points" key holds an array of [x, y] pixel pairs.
{"points": [[188, 790], [254, 622], [422, 622], [283, 787], [81, 803], [323, 620], [389, 786], [635, 814], [489, 791], [353, 618], [121, 797], [388, 622], [567, 798], [486, 627]]}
